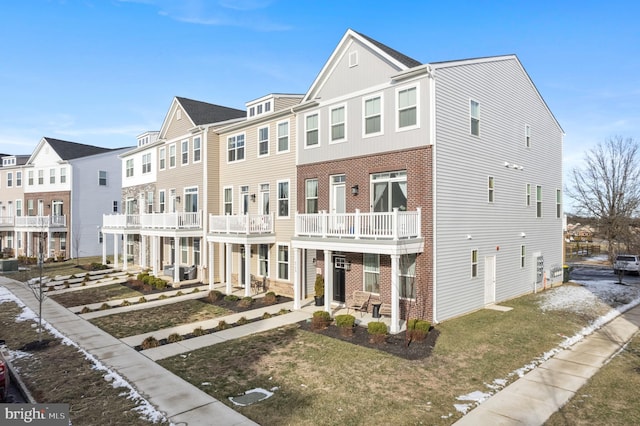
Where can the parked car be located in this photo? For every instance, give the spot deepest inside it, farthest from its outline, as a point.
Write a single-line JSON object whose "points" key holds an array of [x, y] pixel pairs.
{"points": [[4, 372], [627, 263]]}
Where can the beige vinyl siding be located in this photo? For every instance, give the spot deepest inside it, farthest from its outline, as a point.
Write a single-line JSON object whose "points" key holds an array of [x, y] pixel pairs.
{"points": [[177, 128], [286, 102], [508, 101]]}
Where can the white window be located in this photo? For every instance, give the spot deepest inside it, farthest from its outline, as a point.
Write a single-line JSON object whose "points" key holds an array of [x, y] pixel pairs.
{"points": [[63, 175], [146, 163], [102, 178], [30, 177], [389, 191], [263, 141], [197, 149], [18, 179], [19, 209], [163, 161], [528, 195], [338, 124], [311, 195], [29, 207], [373, 115], [264, 198], [129, 167], [283, 198], [184, 250], [235, 148], [283, 136], [172, 156], [185, 152], [407, 276], [474, 110], [490, 189], [263, 260], [372, 272], [40, 177], [191, 199], [283, 262], [244, 199], [9, 179], [558, 204], [228, 201], [161, 200], [538, 201], [527, 136], [407, 108], [52, 176], [523, 255], [474, 263], [196, 251], [311, 130], [149, 201]]}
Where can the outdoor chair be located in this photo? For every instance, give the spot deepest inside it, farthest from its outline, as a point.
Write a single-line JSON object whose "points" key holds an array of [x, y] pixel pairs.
{"points": [[359, 302]]}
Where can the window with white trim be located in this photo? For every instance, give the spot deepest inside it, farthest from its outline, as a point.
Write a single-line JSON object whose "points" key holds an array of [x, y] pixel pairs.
{"points": [[311, 195], [197, 149], [407, 276], [558, 204], [52, 176], [40, 177], [527, 136], [474, 263], [146, 163], [228, 201], [9, 179], [283, 198], [129, 167], [161, 200], [311, 130], [102, 177], [18, 179], [235, 148], [372, 273], [63, 175], [283, 136], [19, 209], [196, 251], [263, 260], [474, 112], [338, 124], [30, 177], [149, 201], [264, 198], [490, 189], [538, 201], [162, 158], [184, 250], [172, 155], [389, 191], [115, 206], [283, 262], [185, 152], [30, 208], [407, 107], [372, 115], [263, 141]]}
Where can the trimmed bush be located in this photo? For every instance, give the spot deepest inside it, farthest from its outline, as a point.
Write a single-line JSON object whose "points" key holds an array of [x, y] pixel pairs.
{"points": [[231, 298], [320, 320], [162, 297], [270, 298], [198, 331], [245, 302], [125, 303], [195, 290], [377, 331], [242, 321], [283, 311], [104, 306], [85, 310], [345, 323], [150, 342], [142, 300], [266, 315], [223, 325], [214, 296], [174, 337], [417, 329], [179, 293]]}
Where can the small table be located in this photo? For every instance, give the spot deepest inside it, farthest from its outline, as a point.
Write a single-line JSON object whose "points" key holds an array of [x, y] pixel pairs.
{"points": [[376, 310]]}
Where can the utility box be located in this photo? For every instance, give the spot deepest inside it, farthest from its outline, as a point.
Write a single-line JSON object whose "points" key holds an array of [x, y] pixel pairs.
{"points": [[8, 265]]}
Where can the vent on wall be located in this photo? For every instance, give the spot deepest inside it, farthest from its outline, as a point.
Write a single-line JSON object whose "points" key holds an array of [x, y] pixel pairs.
{"points": [[353, 59]]}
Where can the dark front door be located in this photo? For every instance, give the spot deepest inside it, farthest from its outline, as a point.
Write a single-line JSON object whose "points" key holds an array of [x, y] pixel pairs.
{"points": [[338, 279]]}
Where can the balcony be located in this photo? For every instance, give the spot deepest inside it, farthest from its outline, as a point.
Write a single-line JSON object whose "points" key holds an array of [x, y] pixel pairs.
{"points": [[241, 224], [393, 226], [7, 221], [150, 221], [40, 222]]}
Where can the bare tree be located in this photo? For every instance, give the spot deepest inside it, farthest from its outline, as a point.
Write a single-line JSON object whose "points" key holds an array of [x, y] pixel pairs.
{"points": [[607, 187]]}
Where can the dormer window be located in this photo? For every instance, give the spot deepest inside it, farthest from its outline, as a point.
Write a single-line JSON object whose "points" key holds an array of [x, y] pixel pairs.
{"points": [[252, 111]]}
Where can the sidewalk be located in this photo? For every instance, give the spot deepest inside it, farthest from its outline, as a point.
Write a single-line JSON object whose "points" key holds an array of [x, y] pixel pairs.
{"points": [[532, 399], [181, 402]]}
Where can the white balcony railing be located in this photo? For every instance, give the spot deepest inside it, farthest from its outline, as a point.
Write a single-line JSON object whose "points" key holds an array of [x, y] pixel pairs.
{"points": [[53, 221], [393, 225], [241, 224], [7, 220], [177, 220]]}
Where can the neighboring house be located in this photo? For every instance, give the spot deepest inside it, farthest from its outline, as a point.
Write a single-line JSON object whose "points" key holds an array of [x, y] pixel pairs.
{"points": [[60, 193], [11, 202], [170, 185], [423, 183], [254, 225]]}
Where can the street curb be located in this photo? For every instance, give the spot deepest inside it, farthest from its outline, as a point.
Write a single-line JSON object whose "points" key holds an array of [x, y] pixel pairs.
{"points": [[17, 380]]}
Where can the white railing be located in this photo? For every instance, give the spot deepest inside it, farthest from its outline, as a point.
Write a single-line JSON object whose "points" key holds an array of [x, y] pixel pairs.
{"points": [[177, 220], [7, 220], [241, 224], [393, 225], [41, 221]]}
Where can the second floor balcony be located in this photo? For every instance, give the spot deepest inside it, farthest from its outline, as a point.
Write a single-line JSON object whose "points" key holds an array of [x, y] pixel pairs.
{"points": [[142, 221], [7, 221], [249, 224], [40, 222]]}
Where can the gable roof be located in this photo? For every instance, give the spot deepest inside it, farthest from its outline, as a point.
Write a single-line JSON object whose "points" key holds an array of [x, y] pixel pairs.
{"points": [[205, 113], [70, 150], [400, 57]]}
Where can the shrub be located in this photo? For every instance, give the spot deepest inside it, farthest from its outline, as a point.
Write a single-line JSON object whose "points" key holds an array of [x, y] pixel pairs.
{"points": [[125, 303], [147, 279], [158, 283], [198, 331], [417, 329], [319, 286], [345, 323], [283, 311], [377, 331], [266, 315], [142, 300], [214, 296], [162, 297], [270, 298], [242, 321], [195, 290], [104, 306], [150, 342], [85, 310], [179, 293], [231, 298], [223, 325], [320, 320], [174, 337], [245, 302], [140, 276]]}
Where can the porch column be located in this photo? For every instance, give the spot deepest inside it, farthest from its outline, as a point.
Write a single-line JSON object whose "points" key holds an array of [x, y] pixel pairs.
{"points": [[328, 279], [104, 248], [204, 254], [247, 270], [296, 278], [125, 252], [116, 237], [176, 264], [395, 300], [143, 251], [227, 272], [210, 265], [155, 243]]}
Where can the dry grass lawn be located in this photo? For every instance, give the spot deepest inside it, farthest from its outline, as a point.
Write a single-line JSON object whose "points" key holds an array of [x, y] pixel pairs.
{"points": [[89, 295]]}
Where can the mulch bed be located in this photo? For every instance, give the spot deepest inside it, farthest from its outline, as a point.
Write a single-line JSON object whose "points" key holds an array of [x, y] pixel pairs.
{"points": [[143, 288], [394, 344]]}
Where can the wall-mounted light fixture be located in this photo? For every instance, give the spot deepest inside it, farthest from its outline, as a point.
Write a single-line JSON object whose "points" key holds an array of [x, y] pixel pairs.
{"points": [[48, 206], [355, 190], [177, 198], [523, 235], [253, 198], [469, 237]]}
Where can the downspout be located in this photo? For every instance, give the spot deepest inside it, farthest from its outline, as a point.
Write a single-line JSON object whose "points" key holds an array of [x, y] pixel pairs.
{"points": [[204, 244], [434, 174]]}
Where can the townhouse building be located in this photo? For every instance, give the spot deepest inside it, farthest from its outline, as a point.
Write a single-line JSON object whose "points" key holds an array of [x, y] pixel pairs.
{"points": [[11, 203], [436, 187]]}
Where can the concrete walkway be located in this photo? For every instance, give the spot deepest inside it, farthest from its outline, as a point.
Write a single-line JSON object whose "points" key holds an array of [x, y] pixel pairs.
{"points": [[532, 399]]}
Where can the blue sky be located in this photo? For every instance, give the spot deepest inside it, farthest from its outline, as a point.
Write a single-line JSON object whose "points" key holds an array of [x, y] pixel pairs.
{"points": [[103, 71]]}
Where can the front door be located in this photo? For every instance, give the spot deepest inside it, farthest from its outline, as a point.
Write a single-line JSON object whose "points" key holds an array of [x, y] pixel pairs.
{"points": [[339, 278], [489, 280]]}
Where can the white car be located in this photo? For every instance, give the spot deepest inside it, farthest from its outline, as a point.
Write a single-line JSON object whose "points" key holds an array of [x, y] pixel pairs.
{"points": [[626, 263]]}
